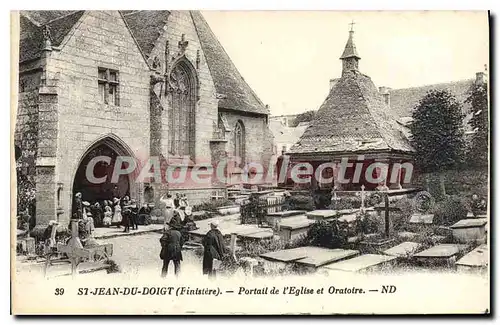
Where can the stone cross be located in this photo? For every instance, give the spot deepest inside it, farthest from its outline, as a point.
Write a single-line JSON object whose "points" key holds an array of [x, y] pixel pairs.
{"points": [[352, 25]]}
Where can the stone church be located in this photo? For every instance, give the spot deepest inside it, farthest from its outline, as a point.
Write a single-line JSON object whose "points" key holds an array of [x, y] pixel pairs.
{"points": [[127, 83]]}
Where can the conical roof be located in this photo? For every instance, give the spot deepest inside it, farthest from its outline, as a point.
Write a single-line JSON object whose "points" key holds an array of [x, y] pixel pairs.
{"points": [[350, 48], [353, 118]]}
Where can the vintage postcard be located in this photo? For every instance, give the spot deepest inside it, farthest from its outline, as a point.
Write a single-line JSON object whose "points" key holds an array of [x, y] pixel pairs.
{"points": [[253, 163]]}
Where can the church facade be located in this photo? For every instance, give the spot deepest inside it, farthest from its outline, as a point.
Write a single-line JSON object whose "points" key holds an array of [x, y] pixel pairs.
{"points": [[127, 83]]}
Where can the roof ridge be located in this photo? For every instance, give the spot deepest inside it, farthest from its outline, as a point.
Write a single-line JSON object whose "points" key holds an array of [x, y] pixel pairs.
{"points": [[225, 52]]}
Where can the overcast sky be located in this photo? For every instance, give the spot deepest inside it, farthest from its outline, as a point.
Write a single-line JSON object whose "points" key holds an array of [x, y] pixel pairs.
{"points": [[289, 57]]}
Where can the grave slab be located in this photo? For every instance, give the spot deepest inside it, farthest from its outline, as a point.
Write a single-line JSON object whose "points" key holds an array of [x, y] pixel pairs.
{"points": [[349, 218], [477, 258], [407, 235], [425, 219], [404, 249], [286, 255], [441, 251], [470, 230], [292, 229], [321, 214], [262, 235], [360, 263], [284, 214], [324, 256]]}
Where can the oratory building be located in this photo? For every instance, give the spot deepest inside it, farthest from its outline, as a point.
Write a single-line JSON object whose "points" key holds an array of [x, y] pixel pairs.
{"points": [[354, 123]]}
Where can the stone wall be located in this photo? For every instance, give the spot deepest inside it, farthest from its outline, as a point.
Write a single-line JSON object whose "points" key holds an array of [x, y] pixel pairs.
{"points": [[99, 39], [464, 182], [258, 140]]}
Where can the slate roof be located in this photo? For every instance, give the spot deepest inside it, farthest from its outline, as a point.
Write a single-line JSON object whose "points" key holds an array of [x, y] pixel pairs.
{"points": [[146, 26], [32, 23], [353, 118], [403, 101], [237, 94]]}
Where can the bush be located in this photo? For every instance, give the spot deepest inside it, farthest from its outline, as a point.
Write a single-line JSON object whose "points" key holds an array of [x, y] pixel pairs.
{"points": [[346, 202], [253, 211], [326, 234], [367, 223], [407, 209], [302, 202], [212, 206], [450, 210]]}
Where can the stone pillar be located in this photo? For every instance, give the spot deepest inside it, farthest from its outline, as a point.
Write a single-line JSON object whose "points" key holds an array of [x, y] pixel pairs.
{"points": [[397, 185], [46, 181], [382, 186], [45, 192]]}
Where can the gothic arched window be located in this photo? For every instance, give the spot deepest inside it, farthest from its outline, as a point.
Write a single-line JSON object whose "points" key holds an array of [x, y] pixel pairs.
{"points": [[239, 141], [181, 110]]}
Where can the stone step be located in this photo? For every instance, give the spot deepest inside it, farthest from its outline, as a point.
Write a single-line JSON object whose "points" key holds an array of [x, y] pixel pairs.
{"points": [[367, 262], [405, 249], [476, 259]]}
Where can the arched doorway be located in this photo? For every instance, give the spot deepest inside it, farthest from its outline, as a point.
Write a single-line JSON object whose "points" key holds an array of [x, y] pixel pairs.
{"points": [[107, 190]]}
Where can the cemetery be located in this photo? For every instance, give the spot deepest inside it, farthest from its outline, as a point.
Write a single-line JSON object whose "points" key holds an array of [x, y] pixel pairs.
{"points": [[395, 233], [391, 231]]}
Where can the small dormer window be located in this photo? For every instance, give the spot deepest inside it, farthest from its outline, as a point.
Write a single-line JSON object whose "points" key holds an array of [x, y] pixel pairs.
{"points": [[108, 83]]}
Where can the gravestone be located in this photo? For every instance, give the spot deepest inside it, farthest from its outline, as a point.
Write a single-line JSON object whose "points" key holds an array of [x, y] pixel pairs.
{"points": [[257, 236], [349, 218], [405, 249], [470, 230], [407, 235], [293, 229], [321, 214], [285, 214], [476, 259], [442, 253], [366, 262], [319, 256], [425, 219]]}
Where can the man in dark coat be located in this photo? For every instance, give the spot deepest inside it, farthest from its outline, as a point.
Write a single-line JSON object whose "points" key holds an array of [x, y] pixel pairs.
{"points": [[171, 247], [213, 244]]}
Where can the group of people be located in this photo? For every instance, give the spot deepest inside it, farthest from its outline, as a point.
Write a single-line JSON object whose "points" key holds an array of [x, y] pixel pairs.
{"points": [[173, 240], [178, 221], [119, 212]]}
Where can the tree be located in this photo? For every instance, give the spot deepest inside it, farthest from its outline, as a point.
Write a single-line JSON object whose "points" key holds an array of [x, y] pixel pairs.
{"points": [[304, 117], [437, 133], [477, 151]]}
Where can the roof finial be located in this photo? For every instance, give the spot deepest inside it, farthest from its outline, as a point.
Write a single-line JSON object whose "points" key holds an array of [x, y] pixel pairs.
{"points": [[352, 23]]}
